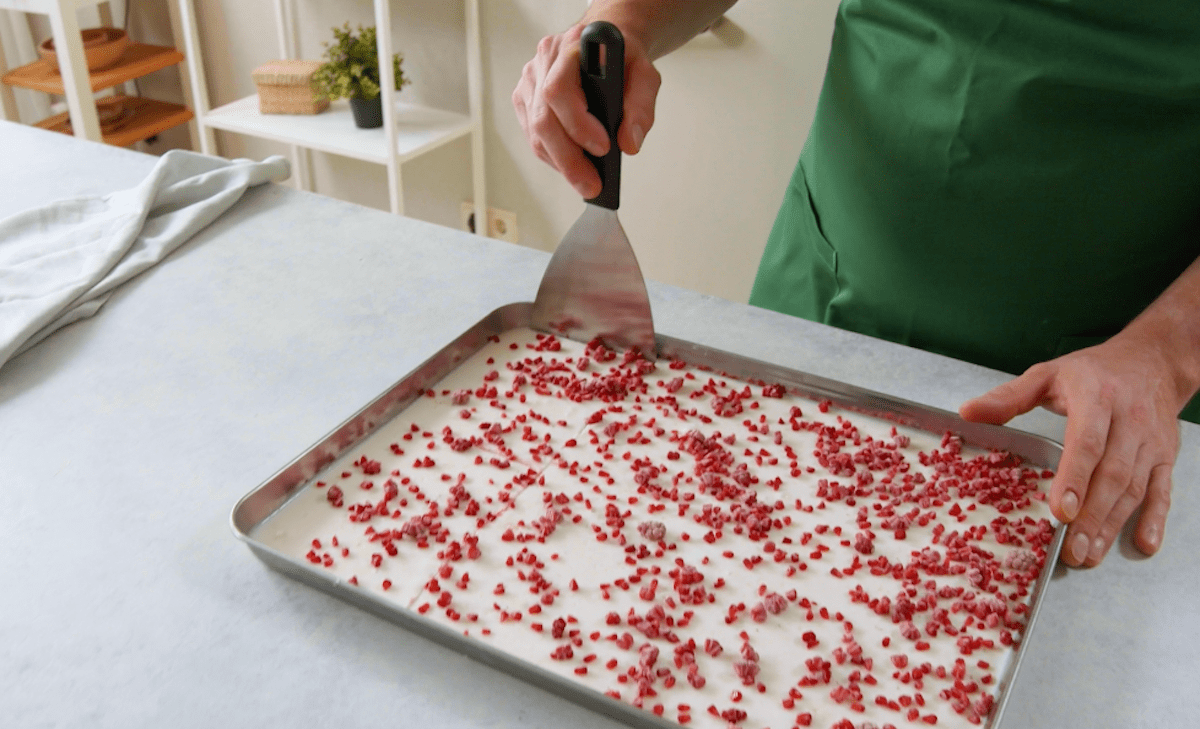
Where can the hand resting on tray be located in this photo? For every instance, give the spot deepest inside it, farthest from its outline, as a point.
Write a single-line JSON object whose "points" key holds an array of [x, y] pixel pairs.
{"points": [[1122, 399]]}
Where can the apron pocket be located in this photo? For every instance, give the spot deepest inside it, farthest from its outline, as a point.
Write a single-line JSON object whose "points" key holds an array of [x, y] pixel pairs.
{"points": [[798, 271], [816, 236]]}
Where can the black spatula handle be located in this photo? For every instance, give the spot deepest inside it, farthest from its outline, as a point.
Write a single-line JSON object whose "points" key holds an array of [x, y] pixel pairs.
{"points": [[602, 71]]}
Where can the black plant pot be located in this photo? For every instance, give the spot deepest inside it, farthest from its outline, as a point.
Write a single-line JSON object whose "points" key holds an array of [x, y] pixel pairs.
{"points": [[368, 114]]}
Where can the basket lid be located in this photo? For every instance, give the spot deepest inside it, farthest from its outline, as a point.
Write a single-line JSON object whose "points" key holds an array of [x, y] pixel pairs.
{"points": [[285, 73]]}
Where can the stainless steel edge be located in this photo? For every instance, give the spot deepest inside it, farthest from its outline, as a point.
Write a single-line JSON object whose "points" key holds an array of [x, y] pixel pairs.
{"points": [[1032, 448], [263, 501], [501, 661], [1035, 604], [260, 503], [593, 287]]}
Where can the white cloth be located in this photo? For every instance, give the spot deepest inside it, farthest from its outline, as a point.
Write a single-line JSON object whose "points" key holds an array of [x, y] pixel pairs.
{"points": [[61, 262]]}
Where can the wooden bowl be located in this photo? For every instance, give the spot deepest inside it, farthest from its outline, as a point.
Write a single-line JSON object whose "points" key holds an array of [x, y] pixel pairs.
{"points": [[113, 113], [103, 48]]}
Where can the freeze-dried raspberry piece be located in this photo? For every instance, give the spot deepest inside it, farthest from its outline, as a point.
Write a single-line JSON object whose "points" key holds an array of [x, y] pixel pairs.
{"points": [[653, 531]]}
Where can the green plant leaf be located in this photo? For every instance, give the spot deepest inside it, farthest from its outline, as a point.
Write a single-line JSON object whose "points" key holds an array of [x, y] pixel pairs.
{"points": [[351, 67]]}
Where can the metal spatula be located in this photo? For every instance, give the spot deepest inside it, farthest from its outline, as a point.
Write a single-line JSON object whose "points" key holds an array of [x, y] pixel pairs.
{"points": [[593, 286]]}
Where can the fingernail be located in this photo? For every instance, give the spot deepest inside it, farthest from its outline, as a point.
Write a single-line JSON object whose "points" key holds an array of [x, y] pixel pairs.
{"points": [[1079, 548], [1152, 537], [638, 136], [1070, 505], [597, 149], [1097, 549]]}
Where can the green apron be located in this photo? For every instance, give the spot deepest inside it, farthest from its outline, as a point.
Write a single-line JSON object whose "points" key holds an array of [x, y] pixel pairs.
{"points": [[1000, 181]]}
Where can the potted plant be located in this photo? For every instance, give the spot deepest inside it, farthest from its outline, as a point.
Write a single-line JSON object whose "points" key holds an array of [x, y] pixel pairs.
{"points": [[351, 71]]}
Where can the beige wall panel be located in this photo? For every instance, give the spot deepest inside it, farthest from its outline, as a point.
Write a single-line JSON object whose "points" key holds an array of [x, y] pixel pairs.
{"points": [[697, 203]]}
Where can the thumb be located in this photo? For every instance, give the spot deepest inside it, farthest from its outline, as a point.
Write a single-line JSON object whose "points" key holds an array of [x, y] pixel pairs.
{"points": [[1003, 403]]}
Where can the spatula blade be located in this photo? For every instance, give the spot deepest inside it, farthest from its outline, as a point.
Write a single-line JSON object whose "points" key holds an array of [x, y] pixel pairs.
{"points": [[594, 287]]}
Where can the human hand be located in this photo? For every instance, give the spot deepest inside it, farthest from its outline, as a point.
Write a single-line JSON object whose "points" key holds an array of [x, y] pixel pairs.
{"points": [[552, 109], [1121, 441]]}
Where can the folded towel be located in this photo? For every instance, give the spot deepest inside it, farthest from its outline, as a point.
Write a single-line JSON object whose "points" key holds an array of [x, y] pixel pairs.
{"points": [[61, 262]]}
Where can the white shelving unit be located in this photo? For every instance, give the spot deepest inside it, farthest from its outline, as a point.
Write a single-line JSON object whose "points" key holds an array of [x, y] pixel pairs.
{"points": [[73, 81], [419, 129], [408, 131]]}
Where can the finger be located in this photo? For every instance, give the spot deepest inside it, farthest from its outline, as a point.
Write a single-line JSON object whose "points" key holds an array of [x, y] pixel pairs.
{"points": [[564, 155], [1086, 437], [540, 150], [1005, 402], [522, 97], [523, 117], [1120, 478], [519, 105], [1151, 526], [563, 92], [526, 84], [1121, 511], [641, 94]]}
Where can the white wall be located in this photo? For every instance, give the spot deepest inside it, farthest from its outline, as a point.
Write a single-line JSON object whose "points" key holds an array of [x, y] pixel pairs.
{"points": [[697, 203]]}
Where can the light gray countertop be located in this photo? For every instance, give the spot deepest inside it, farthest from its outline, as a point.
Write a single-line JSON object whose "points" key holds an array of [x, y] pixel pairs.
{"points": [[125, 441]]}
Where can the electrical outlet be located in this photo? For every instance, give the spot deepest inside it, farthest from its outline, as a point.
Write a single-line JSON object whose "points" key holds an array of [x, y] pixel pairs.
{"points": [[502, 224]]}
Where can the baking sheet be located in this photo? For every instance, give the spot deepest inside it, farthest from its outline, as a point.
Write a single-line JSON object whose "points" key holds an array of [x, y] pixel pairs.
{"points": [[266, 499]]}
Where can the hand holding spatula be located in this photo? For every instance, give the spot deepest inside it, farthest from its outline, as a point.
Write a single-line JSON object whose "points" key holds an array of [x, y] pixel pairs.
{"points": [[593, 286]]}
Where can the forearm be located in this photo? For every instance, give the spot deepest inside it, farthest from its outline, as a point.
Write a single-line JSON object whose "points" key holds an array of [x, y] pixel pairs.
{"points": [[661, 25], [1172, 322]]}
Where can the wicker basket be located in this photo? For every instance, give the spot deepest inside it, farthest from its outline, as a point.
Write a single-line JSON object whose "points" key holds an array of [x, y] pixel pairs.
{"points": [[285, 87]]}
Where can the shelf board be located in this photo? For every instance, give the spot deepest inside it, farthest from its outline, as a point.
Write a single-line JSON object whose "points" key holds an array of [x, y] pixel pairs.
{"points": [[418, 129], [138, 60], [149, 118], [45, 7]]}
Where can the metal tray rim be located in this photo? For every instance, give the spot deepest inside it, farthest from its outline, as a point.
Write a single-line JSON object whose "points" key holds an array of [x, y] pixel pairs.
{"points": [[518, 315]]}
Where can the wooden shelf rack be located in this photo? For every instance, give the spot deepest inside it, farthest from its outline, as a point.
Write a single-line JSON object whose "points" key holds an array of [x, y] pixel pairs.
{"points": [[72, 79]]}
